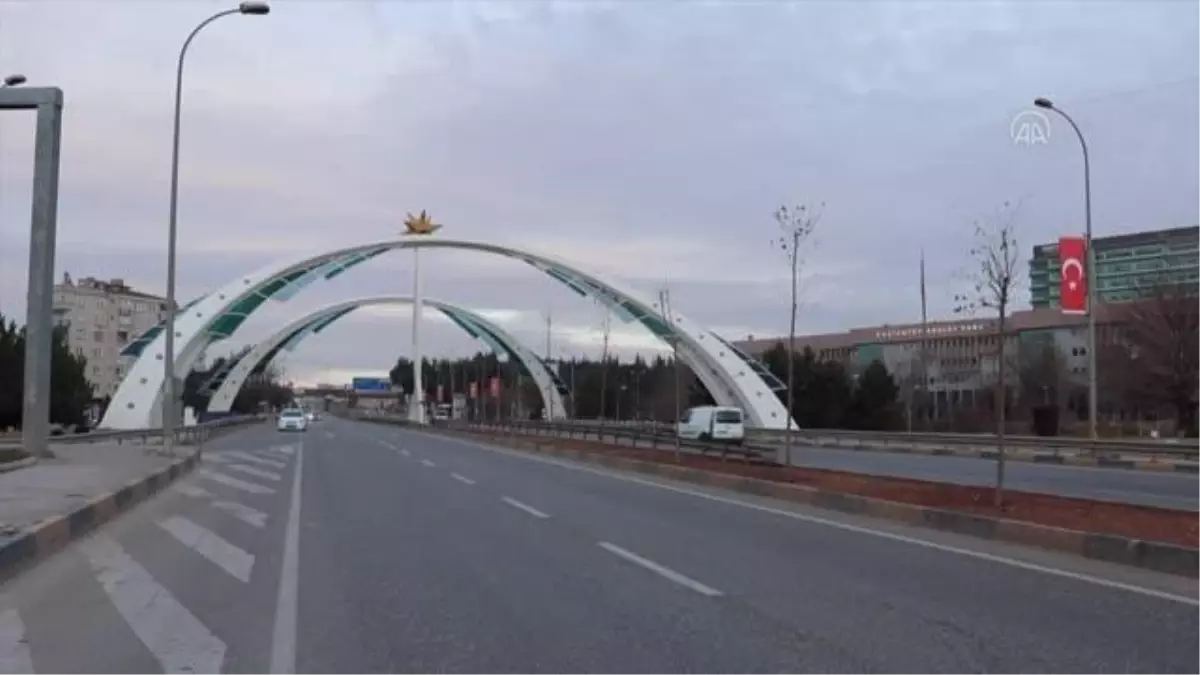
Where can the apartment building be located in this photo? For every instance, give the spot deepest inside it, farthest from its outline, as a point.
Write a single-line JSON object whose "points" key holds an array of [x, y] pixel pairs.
{"points": [[101, 318]]}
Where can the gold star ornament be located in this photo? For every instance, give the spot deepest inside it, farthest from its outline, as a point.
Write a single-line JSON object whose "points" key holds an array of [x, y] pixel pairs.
{"points": [[420, 224]]}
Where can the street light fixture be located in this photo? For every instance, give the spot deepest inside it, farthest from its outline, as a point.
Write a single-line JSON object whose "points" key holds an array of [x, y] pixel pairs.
{"points": [[249, 7], [1090, 275], [14, 80]]}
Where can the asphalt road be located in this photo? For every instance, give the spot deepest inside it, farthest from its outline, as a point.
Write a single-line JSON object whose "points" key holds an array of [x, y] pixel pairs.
{"points": [[365, 548]]}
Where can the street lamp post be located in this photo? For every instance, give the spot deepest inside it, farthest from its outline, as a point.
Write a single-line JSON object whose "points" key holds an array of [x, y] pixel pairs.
{"points": [[248, 7], [1090, 274]]}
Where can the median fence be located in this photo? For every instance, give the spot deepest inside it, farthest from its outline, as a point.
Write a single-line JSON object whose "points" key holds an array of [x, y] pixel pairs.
{"points": [[197, 434], [980, 444]]}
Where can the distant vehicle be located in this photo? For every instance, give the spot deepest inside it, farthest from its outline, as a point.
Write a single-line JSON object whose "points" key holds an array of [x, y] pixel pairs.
{"points": [[293, 419], [712, 423]]}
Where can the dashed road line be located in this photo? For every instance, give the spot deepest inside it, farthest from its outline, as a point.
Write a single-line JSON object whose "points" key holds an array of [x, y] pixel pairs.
{"points": [[428, 463], [209, 544], [14, 648], [406, 453], [176, 638], [254, 471], [524, 507], [462, 479], [667, 572], [236, 483], [285, 449], [388, 445]]}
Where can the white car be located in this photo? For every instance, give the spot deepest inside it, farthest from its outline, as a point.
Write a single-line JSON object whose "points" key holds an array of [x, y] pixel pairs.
{"points": [[293, 419]]}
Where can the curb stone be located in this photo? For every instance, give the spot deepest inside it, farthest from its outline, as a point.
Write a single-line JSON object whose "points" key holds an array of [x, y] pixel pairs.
{"points": [[52, 534], [19, 464], [1151, 555]]}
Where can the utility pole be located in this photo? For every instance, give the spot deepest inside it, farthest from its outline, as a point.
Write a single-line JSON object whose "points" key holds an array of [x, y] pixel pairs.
{"points": [[549, 396], [607, 328], [664, 304], [924, 335]]}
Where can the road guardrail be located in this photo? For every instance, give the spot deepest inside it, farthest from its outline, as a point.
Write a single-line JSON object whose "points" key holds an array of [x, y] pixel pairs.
{"points": [[1188, 449], [195, 434]]}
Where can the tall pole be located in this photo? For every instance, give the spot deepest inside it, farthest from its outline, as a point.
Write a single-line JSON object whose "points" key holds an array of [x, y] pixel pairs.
{"points": [[549, 391], [1090, 273], [924, 337], [169, 392], [43, 230], [416, 411]]}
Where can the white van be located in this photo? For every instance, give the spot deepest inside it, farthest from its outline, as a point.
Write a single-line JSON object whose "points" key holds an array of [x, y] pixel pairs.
{"points": [[712, 423]]}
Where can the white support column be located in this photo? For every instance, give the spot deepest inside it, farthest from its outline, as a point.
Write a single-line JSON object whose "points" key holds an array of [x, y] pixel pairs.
{"points": [[416, 410]]}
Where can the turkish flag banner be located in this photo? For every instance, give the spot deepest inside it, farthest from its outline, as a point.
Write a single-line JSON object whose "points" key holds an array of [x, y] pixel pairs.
{"points": [[1072, 252], [495, 385]]}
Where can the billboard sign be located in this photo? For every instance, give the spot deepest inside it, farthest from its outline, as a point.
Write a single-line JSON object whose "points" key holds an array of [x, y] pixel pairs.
{"points": [[371, 384]]}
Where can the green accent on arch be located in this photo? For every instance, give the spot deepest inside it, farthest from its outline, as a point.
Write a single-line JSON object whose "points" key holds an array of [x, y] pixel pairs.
{"points": [[139, 343], [462, 323]]}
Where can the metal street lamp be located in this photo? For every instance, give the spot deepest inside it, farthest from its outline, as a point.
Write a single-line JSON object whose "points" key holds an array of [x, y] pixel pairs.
{"points": [[14, 80], [1090, 275], [248, 7]]}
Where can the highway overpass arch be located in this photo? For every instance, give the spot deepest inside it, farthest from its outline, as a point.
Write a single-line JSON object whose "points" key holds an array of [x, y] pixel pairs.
{"points": [[476, 325], [731, 377]]}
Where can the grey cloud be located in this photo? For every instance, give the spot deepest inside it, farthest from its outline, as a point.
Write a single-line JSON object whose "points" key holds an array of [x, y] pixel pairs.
{"points": [[583, 126]]}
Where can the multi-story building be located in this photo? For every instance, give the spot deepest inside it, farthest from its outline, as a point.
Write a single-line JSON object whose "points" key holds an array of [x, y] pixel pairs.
{"points": [[1126, 265], [960, 359], [101, 318]]}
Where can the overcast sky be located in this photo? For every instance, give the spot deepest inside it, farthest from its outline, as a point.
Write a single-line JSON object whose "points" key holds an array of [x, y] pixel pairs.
{"points": [[648, 140]]}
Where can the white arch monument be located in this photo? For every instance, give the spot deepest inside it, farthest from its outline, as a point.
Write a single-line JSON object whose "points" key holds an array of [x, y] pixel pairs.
{"points": [[731, 377]]}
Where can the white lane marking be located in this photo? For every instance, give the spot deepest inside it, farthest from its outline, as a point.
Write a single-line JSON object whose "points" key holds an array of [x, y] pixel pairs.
{"points": [[254, 471], [285, 449], [176, 638], [428, 463], [462, 479], [388, 445], [192, 490], [14, 648], [242, 512], [524, 507], [218, 457], [210, 545], [238, 483], [283, 636], [945, 548], [328, 434], [667, 572], [406, 453], [247, 457]]}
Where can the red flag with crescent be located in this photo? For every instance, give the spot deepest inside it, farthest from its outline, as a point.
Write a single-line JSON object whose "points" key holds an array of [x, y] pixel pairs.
{"points": [[1072, 252]]}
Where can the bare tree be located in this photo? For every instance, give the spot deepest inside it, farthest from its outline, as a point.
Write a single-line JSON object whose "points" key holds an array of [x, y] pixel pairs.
{"points": [[797, 224], [1162, 333], [994, 279]]}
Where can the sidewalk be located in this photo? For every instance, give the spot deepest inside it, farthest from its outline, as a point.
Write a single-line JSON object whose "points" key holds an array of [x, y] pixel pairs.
{"points": [[78, 474]]}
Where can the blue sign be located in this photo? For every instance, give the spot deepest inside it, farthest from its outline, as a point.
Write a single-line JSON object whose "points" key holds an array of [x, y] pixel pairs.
{"points": [[371, 384]]}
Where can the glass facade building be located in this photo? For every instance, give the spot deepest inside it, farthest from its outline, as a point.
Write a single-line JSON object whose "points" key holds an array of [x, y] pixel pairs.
{"points": [[1126, 263]]}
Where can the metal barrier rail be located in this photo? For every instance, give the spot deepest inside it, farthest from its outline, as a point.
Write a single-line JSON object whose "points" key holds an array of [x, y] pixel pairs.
{"points": [[1186, 449], [198, 433], [636, 437]]}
